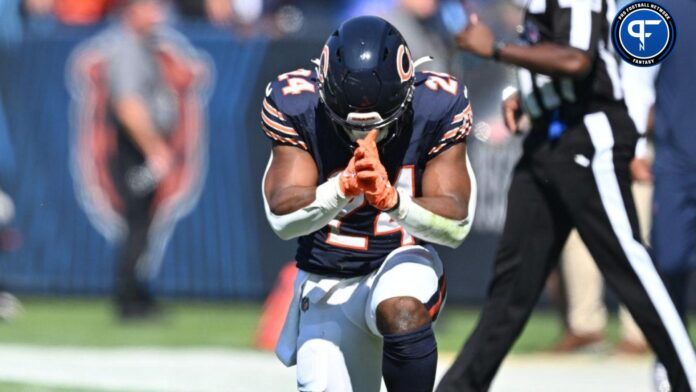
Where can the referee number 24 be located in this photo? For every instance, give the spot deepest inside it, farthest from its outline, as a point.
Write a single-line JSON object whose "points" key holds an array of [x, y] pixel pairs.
{"points": [[383, 224]]}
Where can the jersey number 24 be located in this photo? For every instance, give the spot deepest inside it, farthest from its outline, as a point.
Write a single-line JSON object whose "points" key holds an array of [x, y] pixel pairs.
{"points": [[383, 224]]}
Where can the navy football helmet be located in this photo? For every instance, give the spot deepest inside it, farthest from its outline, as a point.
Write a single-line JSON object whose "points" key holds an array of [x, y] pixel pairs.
{"points": [[366, 76]]}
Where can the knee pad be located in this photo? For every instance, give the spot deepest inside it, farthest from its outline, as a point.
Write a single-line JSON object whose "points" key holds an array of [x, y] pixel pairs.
{"points": [[321, 367], [411, 345]]}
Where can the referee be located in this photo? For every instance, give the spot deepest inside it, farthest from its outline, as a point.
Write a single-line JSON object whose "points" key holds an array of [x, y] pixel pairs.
{"points": [[574, 173]]}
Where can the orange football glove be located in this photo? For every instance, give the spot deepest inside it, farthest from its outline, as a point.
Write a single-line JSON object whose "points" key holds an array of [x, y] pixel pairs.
{"points": [[372, 177], [348, 180], [367, 147]]}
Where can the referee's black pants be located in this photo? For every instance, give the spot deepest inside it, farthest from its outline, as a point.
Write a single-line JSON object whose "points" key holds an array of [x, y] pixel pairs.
{"points": [[581, 180]]}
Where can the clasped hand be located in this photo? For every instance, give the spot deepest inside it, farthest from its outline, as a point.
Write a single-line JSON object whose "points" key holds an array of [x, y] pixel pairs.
{"points": [[366, 175]]}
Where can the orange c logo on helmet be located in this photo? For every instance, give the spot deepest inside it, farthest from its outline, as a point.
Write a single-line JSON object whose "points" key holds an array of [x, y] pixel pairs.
{"points": [[404, 63], [324, 63]]}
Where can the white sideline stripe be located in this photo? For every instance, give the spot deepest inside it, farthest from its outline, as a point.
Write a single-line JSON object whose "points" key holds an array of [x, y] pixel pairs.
{"points": [[145, 369], [131, 369], [603, 167]]}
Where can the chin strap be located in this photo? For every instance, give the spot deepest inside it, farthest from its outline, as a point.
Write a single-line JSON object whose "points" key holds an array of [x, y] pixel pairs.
{"points": [[422, 60]]}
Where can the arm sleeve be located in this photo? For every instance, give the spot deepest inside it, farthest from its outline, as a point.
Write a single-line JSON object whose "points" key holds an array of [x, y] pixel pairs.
{"points": [[454, 126], [277, 127], [328, 202], [578, 24]]}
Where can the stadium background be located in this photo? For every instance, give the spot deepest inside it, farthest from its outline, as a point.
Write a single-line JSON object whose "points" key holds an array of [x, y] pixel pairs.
{"points": [[223, 258], [224, 248]]}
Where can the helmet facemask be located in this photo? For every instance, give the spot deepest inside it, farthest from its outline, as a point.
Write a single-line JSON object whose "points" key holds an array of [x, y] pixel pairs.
{"points": [[357, 124], [366, 79]]}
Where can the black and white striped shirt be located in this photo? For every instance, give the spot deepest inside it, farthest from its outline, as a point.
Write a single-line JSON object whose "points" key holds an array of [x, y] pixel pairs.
{"points": [[582, 24]]}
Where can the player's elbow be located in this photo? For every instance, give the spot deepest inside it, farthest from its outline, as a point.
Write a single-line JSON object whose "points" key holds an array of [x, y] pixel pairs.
{"points": [[454, 236], [454, 244], [285, 235], [283, 229], [276, 206], [283, 232], [278, 209], [279, 223], [459, 233], [461, 213]]}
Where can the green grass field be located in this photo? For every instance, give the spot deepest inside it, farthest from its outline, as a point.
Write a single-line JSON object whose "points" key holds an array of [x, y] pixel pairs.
{"points": [[90, 322]]}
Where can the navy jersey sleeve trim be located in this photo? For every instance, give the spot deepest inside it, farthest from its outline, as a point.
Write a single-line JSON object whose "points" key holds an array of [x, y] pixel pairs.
{"points": [[277, 127], [455, 131]]}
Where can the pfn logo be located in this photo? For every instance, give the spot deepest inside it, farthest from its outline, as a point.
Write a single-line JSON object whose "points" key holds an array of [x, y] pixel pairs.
{"points": [[640, 32], [643, 33]]}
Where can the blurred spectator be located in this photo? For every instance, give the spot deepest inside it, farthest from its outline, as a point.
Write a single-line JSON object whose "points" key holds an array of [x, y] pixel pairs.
{"points": [[220, 12], [415, 19], [10, 306], [10, 23], [82, 12], [223, 12], [38, 16], [16, 16], [70, 12], [418, 22], [149, 72], [38, 7], [192, 8], [143, 110]]}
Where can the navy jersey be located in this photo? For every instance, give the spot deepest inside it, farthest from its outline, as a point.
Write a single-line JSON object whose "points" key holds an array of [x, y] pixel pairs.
{"points": [[360, 238]]}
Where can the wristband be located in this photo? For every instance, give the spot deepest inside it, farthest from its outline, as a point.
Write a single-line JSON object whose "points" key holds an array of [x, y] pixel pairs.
{"points": [[398, 202], [497, 47], [428, 226]]}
